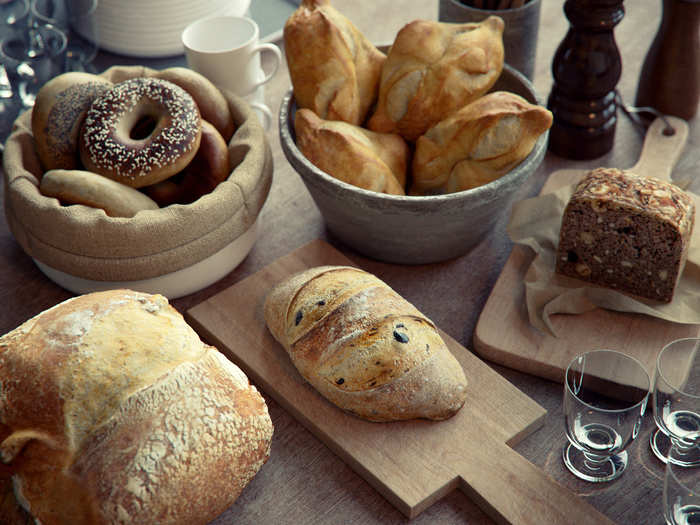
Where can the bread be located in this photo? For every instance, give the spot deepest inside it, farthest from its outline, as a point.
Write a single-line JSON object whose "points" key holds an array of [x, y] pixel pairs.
{"points": [[333, 68], [479, 143], [113, 411], [626, 232], [364, 347], [210, 101], [58, 113], [434, 68], [363, 158], [91, 189], [208, 168]]}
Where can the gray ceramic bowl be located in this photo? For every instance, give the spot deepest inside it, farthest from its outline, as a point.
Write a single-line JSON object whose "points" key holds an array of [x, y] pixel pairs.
{"points": [[406, 229]]}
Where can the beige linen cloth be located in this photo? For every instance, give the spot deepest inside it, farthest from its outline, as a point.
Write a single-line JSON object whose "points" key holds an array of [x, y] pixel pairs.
{"points": [[535, 223], [85, 242]]}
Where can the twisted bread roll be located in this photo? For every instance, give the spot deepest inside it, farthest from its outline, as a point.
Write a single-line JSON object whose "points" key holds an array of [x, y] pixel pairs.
{"points": [[334, 69], [364, 347], [434, 68], [113, 411], [369, 160], [479, 143]]}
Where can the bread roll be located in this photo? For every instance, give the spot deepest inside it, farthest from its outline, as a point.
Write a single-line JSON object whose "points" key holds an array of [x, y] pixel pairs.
{"points": [[434, 68], [479, 143], [113, 411], [210, 101], [58, 113], [208, 168], [334, 69], [626, 232], [364, 347], [91, 189], [363, 158]]}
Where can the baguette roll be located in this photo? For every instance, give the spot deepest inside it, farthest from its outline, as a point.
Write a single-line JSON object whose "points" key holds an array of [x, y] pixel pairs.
{"points": [[364, 347], [112, 410]]}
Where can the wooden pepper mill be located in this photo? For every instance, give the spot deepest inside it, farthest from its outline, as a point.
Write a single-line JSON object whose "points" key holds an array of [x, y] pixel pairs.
{"points": [[670, 77], [586, 68]]}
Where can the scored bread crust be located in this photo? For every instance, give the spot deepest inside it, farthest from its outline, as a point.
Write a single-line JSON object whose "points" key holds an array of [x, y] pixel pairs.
{"points": [[364, 347], [333, 68], [434, 68], [113, 411]]}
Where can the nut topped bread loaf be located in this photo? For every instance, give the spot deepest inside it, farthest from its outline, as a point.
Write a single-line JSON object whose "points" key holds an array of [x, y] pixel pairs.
{"points": [[112, 410], [363, 346], [627, 232]]}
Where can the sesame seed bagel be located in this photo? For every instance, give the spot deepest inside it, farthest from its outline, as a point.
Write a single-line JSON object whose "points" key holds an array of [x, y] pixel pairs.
{"points": [[58, 114], [140, 132]]}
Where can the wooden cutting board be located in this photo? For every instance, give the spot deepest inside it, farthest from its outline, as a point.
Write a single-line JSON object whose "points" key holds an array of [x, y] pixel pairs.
{"points": [[413, 463], [503, 333]]}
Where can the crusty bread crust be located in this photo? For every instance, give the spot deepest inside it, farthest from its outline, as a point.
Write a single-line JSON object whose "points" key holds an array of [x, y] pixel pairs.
{"points": [[113, 411], [364, 347]]}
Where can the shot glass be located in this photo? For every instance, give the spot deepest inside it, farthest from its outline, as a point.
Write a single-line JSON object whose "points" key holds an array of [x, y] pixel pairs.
{"points": [[605, 396], [676, 402]]}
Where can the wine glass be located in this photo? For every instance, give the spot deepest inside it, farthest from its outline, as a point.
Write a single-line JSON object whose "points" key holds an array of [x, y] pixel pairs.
{"points": [[30, 66], [12, 12], [75, 18], [681, 490], [605, 396], [676, 402]]}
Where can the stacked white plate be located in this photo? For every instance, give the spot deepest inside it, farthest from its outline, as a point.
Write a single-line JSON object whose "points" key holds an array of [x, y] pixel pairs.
{"points": [[153, 28]]}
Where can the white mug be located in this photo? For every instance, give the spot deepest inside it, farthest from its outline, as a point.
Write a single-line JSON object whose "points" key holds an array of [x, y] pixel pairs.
{"points": [[226, 50]]}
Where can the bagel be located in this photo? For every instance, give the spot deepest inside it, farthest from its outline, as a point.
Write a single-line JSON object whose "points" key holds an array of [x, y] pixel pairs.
{"points": [[140, 132], [211, 102], [209, 167], [90, 189], [58, 114]]}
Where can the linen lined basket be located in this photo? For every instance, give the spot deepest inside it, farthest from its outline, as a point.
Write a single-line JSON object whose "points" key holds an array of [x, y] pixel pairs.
{"points": [[85, 242]]}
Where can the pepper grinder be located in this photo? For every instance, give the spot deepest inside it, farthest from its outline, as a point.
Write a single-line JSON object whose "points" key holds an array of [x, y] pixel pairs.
{"points": [[586, 68], [670, 76]]}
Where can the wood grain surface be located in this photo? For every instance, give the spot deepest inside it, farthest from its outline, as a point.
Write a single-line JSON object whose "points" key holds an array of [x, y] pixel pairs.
{"points": [[504, 334], [305, 482], [412, 463]]}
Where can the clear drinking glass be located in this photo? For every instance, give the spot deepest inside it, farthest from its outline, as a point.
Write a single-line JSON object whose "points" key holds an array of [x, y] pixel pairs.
{"points": [[76, 19], [676, 402], [31, 66], [605, 396], [681, 490], [12, 13]]}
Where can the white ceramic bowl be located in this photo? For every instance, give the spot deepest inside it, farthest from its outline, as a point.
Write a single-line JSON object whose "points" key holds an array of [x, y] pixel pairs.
{"points": [[409, 229]]}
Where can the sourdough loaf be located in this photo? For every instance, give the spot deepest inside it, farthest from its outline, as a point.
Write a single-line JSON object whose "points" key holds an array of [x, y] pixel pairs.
{"points": [[364, 347], [627, 232], [112, 410]]}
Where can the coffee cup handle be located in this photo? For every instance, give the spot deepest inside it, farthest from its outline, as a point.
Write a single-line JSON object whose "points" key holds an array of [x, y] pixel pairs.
{"points": [[276, 64], [267, 114]]}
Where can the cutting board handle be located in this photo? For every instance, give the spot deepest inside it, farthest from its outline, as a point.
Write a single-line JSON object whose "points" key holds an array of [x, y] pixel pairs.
{"points": [[661, 151], [513, 491]]}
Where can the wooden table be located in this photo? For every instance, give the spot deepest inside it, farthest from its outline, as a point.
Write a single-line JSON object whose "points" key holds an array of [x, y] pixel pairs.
{"points": [[304, 482]]}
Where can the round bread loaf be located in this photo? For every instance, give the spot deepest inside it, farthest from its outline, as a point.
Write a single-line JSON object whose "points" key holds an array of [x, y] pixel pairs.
{"points": [[208, 168], [114, 411], [58, 114], [91, 189], [140, 132]]}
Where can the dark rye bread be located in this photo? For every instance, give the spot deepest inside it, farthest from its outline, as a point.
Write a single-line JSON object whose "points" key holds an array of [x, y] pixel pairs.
{"points": [[627, 232]]}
